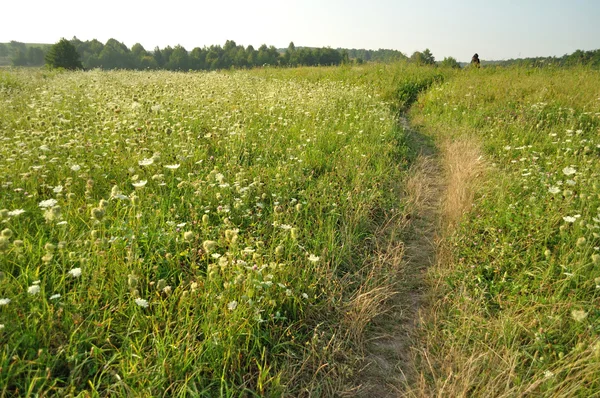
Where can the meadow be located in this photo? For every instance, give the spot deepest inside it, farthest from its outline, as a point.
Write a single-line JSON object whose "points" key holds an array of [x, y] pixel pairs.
{"points": [[518, 281], [186, 233], [235, 233]]}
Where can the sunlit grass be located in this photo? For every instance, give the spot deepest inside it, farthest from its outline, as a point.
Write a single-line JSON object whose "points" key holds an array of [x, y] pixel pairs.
{"points": [[520, 307], [170, 233]]}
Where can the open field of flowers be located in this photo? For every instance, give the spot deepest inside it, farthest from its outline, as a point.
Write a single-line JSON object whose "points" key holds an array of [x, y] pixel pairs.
{"points": [[520, 308], [172, 233]]}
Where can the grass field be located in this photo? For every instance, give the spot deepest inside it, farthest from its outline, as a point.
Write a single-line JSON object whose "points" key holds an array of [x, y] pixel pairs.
{"points": [[518, 308], [235, 233], [172, 233]]}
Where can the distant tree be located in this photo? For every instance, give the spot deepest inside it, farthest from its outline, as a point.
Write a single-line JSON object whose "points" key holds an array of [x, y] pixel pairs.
{"points": [[166, 56], [35, 56], [289, 57], [198, 59], [17, 45], [252, 56], [147, 62], [179, 59], [450, 62], [115, 55], [3, 50], [418, 58], [158, 57], [63, 55], [423, 58], [241, 59], [213, 57], [20, 58], [428, 57]]}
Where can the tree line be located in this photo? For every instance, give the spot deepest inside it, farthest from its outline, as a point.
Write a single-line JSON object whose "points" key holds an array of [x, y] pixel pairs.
{"points": [[116, 55], [579, 57]]}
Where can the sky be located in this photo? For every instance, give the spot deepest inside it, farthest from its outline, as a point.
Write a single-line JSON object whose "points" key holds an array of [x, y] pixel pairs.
{"points": [[495, 29]]}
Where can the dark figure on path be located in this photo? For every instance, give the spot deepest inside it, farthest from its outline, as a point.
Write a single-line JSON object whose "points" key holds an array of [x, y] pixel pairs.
{"points": [[475, 60]]}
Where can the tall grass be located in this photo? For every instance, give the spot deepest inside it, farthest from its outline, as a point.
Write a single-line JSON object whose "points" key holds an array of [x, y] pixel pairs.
{"points": [[187, 234], [519, 286]]}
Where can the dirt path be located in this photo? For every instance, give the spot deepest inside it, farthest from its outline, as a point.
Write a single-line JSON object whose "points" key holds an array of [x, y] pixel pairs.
{"points": [[388, 350]]}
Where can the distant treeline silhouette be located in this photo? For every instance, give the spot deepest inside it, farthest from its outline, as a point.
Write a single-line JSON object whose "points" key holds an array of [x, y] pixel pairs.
{"points": [[579, 57], [116, 55]]}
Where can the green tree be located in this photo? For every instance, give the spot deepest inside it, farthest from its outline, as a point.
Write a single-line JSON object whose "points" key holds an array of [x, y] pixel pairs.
{"points": [[417, 58], [198, 59], [450, 62], [35, 56], [428, 57], [63, 55], [423, 58], [3, 50], [20, 58], [179, 59]]}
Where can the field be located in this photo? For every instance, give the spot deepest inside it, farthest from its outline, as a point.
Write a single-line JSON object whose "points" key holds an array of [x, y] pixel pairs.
{"points": [[237, 233], [518, 308]]}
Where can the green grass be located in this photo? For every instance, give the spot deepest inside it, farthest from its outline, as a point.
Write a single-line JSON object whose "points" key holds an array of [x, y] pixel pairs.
{"points": [[187, 234], [519, 305]]}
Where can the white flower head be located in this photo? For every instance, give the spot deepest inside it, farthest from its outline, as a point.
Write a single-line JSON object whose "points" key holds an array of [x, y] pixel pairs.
{"points": [[33, 289], [16, 212], [75, 272], [55, 296], [139, 184], [141, 302], [146, 162], [232, 305], [47, 203], [4, 301], [570, 219], [172, 166], [58, 189], [76, 167], [568, 171], [313, 259], [554, 190]]}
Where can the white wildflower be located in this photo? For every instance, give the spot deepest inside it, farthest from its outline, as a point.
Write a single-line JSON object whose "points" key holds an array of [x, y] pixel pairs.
{"points": [[146, 162], [569, 171], [47, 203], [554, 190], [570, 219], [172, 166], [139, 184], [16, 212], [75, 272], [232, 305], [313, 259], [55, 296], [4, 301], [76, 167], [33, 289], [141, 302]]}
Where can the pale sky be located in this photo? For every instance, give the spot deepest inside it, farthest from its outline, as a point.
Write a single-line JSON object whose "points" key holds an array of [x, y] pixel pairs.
{"points": [[496, 29]]}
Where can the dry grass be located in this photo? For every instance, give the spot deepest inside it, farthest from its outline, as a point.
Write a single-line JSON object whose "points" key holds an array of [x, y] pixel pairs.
{"points": [[463, 163], [463, 167], [387, 363], [451, 365]]}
